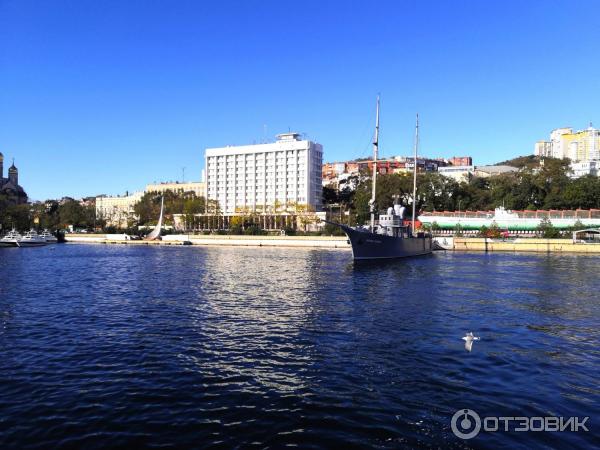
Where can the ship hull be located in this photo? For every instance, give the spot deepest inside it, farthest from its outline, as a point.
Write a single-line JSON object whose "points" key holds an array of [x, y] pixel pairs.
{"points": [[367, 245], [32, 243]]}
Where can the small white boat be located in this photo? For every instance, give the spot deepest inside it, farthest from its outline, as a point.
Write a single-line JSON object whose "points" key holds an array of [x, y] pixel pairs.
{"points": [[31, 239], [11, 239], [49, 237]]}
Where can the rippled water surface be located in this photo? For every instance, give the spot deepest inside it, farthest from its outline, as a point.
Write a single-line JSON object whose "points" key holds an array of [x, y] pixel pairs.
{"points": [[181, 347]]}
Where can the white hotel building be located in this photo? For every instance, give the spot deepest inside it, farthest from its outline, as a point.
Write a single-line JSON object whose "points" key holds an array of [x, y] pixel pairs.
{"points": [[257, 177]]}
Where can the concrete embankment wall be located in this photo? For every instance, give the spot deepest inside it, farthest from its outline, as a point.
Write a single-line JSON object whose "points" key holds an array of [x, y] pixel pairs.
{"points": [[456, 243], [245, 241], [524, 245]]}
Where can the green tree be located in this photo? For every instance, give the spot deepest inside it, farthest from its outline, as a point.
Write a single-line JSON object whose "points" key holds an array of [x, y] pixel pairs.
{"points": [[458, 230], [72, 213], [583, 193], [436, 192], [552, 181], [578, 225], [483, 231], [17, 216], [147, 209], [547, 230]]}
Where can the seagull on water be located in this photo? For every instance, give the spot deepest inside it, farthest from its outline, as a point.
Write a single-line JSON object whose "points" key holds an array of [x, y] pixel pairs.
{"points": [[469, 338]]}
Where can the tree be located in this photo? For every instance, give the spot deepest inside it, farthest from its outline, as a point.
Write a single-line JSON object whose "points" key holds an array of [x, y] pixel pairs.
{"points": [[483, 231], [458, 230], [330, 195], [388, 186], [17, 216], [578, 225], [493, 231], [583, 193], [435, 192], [73, 213], [547, 230], [332, 230], [306, 215], [552, 180], [147, 209]]}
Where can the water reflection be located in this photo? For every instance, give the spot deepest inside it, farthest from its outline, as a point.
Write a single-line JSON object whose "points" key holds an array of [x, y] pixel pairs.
{"points": [[250, 308]]}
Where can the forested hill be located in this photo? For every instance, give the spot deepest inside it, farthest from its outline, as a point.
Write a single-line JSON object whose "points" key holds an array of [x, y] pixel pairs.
{"points": [[529, 161]]}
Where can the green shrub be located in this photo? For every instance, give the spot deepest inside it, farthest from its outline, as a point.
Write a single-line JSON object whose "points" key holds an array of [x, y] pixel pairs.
{"points": [[458, 230]]}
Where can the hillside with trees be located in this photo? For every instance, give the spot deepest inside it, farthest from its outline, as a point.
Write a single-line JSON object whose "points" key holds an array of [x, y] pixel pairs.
{"points": [[522, 162], [51, 214], [545, 187]]}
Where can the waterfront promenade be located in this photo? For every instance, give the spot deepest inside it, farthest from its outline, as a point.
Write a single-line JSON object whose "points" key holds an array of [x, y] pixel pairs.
{"points": [[523, 245], [331, 242]]}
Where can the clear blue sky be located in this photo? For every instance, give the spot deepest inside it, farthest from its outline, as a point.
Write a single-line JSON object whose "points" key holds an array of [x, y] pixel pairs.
{"points": [[106, 96]]}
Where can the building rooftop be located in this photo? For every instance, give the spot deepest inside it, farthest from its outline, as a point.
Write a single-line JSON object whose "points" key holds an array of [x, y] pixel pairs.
{"points": [[291, 136], [496, 169]]}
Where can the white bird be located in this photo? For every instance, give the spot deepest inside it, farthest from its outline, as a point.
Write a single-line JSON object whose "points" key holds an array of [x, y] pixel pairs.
{"points": [[469, 338]]}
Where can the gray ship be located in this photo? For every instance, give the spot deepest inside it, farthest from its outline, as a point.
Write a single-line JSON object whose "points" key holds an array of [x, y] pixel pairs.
{"points": [[388, 237]]}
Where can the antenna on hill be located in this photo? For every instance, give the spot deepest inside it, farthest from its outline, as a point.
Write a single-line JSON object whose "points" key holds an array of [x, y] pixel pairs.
{"points": [[183, 174]]}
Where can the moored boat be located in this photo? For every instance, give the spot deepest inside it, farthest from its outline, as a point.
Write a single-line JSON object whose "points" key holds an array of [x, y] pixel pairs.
{"points": [[388, 237], [49, 237], [11, 239], [31, 239]]}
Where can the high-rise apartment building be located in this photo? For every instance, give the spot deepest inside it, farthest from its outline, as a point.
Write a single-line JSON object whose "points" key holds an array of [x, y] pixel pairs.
{"points": [[583, 145], [260, 177]]}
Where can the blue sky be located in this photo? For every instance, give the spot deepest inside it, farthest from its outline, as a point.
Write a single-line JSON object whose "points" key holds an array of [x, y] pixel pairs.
{"points": [[106, 96]]}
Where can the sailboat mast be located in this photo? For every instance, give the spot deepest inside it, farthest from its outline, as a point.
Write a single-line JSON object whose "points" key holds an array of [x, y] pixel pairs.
{"points": [[414, 203], [375, 151]]}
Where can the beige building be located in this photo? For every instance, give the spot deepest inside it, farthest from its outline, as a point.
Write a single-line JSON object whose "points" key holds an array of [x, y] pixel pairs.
{"points": [[117, 211], [197, 187]]}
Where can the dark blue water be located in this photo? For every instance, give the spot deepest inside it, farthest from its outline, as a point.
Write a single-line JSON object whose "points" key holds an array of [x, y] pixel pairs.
{"points": [[130, 347]]}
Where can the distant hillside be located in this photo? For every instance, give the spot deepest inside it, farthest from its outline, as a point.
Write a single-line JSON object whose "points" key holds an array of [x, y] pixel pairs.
{"points": [[529, 161]]}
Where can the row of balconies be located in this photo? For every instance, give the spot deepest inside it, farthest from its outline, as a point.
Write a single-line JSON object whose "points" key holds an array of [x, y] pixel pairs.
{"points": [[257, 192], [277, 153], [288, 168]]}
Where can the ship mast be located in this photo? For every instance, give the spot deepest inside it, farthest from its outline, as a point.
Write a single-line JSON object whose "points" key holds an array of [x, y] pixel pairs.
{"points": [[414, 205], [374, 184]]}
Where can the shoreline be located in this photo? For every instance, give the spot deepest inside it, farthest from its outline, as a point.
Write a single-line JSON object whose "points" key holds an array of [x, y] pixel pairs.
{"points": [[532, 245], [329, 242]]}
